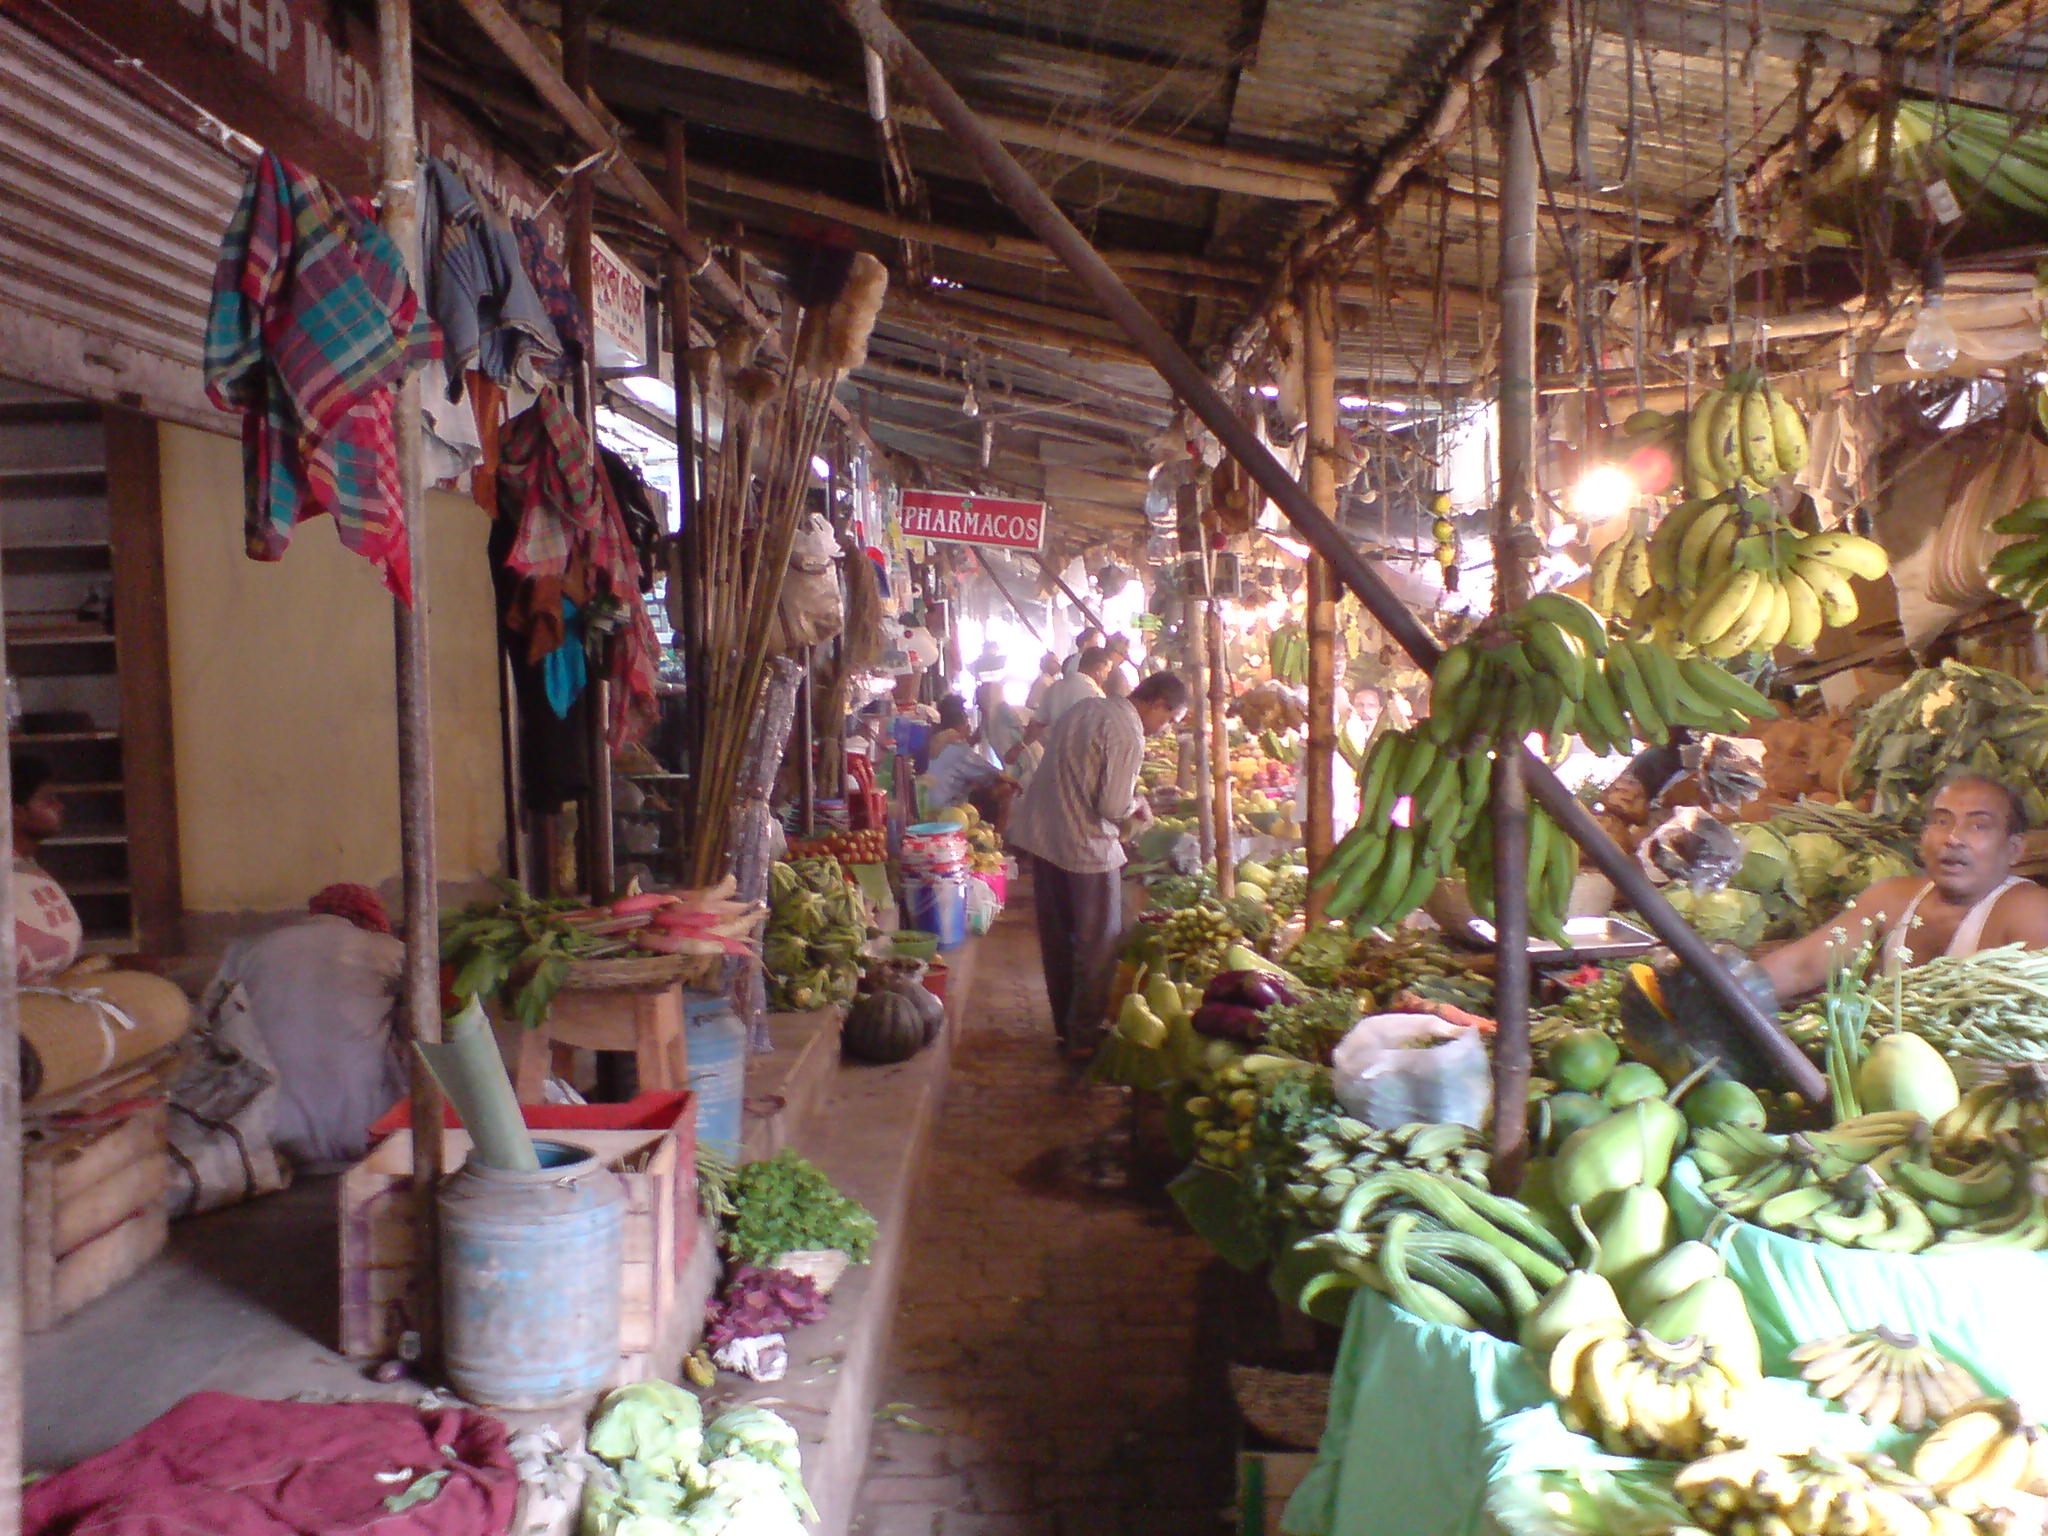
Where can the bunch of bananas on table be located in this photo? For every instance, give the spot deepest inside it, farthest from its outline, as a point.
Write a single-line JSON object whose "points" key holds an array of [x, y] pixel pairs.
{"points": [[1983, 1453], [1729, 576], [1332, 1160], [1199, 937], [1886, 1377], [2013, 1104], [1641, 1396], [1440, 1246], [1755, 1492], [1226, 1101], [1883, 1182], [2020, 570]]}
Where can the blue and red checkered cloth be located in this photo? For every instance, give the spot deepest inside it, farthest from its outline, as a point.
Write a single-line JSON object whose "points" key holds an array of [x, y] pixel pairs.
{"points": [[313, 326]]}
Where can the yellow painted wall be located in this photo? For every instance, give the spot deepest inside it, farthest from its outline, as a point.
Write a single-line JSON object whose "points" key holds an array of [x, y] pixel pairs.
{"points": [[282, 697]]}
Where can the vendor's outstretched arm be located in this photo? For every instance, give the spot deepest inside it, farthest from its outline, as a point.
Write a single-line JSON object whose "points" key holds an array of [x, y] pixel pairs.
{"points": [[1806, 963]]}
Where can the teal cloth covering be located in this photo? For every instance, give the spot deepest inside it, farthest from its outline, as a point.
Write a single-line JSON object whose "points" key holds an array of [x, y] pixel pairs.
{"points": [[1405, 1450], [1980, 1308]]}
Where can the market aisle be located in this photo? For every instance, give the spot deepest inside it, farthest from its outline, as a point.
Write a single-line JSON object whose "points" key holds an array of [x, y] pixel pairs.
{"points": [[1052, 1331]]}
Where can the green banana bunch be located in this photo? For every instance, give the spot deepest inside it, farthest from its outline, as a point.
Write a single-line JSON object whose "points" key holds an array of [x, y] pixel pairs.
{"points": [[2020, 570], [1744, 433], [1886, 1182], [1330, 1161], [1380, 871], [1439, 1246], [1287, 655]]}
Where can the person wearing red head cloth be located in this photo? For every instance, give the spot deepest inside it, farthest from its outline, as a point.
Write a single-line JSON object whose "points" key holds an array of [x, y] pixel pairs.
{"points": [[323, 993]]}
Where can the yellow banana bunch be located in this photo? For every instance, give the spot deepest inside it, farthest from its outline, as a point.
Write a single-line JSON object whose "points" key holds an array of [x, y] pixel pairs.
{"points": [[1444, 533], [1621, 575], [1728, 577], [1638, 1395], [1812, 1493], [2014, 1104], [2020, 570], [1983, 1455], [1744, 433]]}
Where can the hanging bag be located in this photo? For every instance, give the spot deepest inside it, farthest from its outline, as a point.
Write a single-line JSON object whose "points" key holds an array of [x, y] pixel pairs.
{"points": [[812, 611]]}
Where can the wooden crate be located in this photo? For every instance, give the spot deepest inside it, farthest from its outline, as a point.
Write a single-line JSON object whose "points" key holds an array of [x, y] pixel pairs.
{"points": [[658, 1170], [93, 1208]]}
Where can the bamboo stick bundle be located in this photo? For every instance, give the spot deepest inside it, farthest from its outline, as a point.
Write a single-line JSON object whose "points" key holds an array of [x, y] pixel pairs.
{"points": [[739, 544]]}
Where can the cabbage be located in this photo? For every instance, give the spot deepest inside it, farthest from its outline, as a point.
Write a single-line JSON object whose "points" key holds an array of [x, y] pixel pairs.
{"points": [[1722, 917], [1877, 864], [656, 1424], [1818, 860], [1765, 859]]}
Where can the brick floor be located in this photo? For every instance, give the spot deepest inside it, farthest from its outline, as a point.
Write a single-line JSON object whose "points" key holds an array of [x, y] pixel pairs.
{"points": [[1056, 1339]]}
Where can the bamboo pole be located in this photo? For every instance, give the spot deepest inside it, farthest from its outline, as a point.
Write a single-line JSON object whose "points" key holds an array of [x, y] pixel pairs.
{"points": [[1319, 761], [1013, 184], [1017, 608], [1513, 504], [1094, 619], [675, 271], [421, 975], [11, 1374], [1219, 742]]}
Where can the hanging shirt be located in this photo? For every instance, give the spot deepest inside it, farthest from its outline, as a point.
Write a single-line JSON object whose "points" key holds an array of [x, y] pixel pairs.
{"points": [[312, 327], [477, 288]]}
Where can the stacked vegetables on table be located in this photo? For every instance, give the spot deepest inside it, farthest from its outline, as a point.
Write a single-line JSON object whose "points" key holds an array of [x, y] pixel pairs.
{"points": [[868, 847], [817, 924], [1944, 718], [661, 1471]]}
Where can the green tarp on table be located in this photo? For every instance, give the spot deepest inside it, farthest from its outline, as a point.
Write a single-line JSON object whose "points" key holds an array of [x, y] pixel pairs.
{"points": [[1980, 1307], [1404, 1451]]}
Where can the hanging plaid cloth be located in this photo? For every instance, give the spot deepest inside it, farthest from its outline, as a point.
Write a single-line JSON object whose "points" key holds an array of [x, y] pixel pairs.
{"points": [[313, 326]]}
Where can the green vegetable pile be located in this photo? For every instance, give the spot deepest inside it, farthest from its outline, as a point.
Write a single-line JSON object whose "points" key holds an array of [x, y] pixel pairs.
{"points": [[1948, 717], [1312, 1027], [1993, 1005], [1594, 1004], [1798, 869], [520, 947], [817, 923], [786, 1205], [1379, 968], [662, 1472]]}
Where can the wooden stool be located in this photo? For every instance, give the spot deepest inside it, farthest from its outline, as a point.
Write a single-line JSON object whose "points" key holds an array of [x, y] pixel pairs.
{"points": [[644, 1020]]}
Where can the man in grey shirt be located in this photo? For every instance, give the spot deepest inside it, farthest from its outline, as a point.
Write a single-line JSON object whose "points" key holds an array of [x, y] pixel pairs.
{"points": [[1068, 823]]}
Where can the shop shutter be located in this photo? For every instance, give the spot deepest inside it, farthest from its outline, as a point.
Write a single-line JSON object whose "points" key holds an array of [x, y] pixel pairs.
{"points": [[110, 216]]}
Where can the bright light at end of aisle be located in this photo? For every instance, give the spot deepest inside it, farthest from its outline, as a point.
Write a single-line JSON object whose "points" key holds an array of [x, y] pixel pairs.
{"points": [[821, 466], [1603, 494]]}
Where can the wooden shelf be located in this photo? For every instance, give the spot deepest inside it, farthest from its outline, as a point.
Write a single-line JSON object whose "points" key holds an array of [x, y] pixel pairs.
{"points": [[49, 738], [53, 480], [81, 635], [77, 888], [56, 559], [97, 837]]}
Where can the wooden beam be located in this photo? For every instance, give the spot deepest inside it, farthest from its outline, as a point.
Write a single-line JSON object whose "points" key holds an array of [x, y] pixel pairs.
{"points": [[1319, 760], [1157, 155], [1698, 33], [1158, 405], [1024, 404]]}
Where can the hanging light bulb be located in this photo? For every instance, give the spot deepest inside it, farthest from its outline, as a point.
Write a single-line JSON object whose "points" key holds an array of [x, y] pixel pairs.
{"points": [[970, 405], [1933, 344]]}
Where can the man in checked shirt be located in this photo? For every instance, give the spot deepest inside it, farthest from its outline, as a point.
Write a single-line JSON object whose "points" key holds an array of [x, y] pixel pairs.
{"points": [[1069, 823]]}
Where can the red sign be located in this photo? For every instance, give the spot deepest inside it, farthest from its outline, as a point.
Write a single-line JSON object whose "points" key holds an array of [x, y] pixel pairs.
{"points": [[950, 519]]}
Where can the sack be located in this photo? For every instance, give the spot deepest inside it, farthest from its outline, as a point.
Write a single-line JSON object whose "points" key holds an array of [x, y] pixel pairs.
{"points": [[1400, 1068], [222, 1110], [812, 611]]}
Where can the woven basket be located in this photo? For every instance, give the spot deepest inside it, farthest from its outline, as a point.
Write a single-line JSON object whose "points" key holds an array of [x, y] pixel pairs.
{"points": [[644, 973], [823, 1266], [1285, 1407]]}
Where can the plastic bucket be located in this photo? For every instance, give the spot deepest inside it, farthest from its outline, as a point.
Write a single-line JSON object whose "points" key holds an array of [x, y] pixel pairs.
{"points": [[530, 1279], [939, 907], [717, 1043]]}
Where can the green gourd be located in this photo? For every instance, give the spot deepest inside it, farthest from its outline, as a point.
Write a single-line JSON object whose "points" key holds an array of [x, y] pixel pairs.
{"points": [[1902, 1071], [894, 1022], [1712, 1309], [1582, 1296], [1636, 1231], [1632, 1082], [1724, 1101], [1672, 1275], [1571, 1112]]}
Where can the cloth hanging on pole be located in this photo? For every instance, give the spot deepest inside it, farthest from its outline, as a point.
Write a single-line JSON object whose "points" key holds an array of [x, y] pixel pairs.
{"points": [[312, 327], [477, 288]]}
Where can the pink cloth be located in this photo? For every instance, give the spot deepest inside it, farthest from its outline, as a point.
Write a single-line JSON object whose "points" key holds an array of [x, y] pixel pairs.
{"points": [[239, 1466]]}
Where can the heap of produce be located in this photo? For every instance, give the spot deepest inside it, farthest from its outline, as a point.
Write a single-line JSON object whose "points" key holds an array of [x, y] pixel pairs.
{"points": [[661, 1471], [1944, 718], [817, 923], [871, 847], [1993, 1004], [1548, 670], [521, 948], [1799, 869], [1818, 1493], [784, 1204]]}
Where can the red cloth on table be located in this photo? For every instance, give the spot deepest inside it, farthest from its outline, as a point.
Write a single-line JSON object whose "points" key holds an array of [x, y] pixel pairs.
{"points": [[240, 1466]]}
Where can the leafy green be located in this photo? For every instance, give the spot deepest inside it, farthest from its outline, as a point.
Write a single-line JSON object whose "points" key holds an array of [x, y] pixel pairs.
{"points": [[655, 1423], [786, 1205]]}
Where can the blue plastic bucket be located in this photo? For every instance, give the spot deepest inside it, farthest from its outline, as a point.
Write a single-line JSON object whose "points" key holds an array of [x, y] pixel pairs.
{"points": [[939, 906], [717, 1042]]}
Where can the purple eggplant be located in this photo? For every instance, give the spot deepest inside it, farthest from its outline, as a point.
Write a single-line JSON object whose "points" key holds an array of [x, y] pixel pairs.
{"points": [[1249, 989], [1229, 1021]]}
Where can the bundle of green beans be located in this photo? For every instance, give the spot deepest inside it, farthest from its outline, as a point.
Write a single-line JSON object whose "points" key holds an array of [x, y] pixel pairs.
{"points": [[1992, 1005]]}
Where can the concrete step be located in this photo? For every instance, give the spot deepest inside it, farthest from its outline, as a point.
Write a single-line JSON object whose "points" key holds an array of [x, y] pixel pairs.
{"points": [[871, 1137], [786, 1086]]}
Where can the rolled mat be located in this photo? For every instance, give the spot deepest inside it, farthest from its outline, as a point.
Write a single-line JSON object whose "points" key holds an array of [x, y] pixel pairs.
{"points": [[99, 1023]]}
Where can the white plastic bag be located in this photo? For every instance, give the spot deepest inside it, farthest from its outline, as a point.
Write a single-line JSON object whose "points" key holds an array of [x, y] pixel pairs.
{"points": [[1399, 1068], [982, 907], [812, 610]]}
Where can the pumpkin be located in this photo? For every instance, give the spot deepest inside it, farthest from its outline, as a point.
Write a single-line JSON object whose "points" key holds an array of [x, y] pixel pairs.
{"points": [[894, 1021]]}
